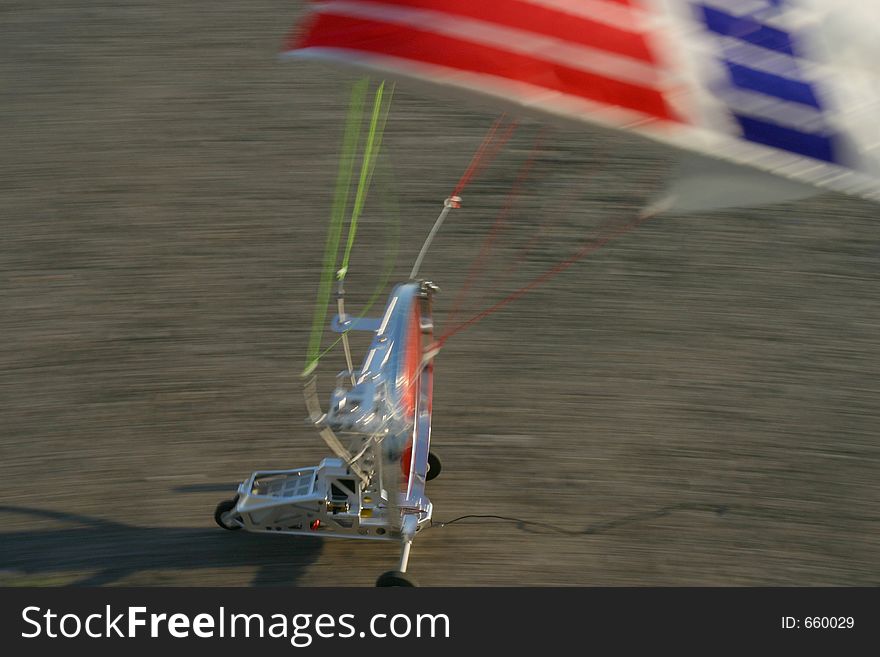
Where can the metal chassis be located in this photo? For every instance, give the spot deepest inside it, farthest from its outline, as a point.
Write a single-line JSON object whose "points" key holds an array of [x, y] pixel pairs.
{"points": [[360, 493]]}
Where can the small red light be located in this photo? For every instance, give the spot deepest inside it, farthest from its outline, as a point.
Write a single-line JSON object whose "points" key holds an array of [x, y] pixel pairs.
{"points": [[315, 524]]}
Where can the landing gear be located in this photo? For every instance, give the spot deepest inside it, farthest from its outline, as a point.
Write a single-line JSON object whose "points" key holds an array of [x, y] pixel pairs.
{"points": [[434, 466], [223, 512], [395, 578]]}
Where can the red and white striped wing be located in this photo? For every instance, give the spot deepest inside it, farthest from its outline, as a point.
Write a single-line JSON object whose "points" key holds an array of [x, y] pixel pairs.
{"points": [[587, 58], [764, 84]]}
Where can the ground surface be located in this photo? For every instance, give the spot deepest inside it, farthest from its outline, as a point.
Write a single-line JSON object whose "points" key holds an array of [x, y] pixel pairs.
{"points": [[697, 403]]}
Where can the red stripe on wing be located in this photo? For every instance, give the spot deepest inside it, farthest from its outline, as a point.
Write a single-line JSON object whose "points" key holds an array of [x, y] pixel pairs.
{"points": [[376, 37], [545, 21]]}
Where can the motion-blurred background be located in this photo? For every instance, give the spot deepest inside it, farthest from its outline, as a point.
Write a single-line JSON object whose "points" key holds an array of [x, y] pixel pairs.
{"points": [[695, 404]]}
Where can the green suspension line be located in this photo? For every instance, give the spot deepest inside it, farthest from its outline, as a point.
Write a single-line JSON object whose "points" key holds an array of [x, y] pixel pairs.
{"points": [[392, 241], [340, 203], [371, 152]]}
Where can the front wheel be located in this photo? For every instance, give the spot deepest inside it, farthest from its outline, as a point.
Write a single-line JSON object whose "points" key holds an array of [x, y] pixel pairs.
{"points": [[222, 511], [395, 578]]}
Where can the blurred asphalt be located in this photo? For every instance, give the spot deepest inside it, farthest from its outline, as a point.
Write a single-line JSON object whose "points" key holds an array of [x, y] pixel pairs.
{"points": [[696, 403]]}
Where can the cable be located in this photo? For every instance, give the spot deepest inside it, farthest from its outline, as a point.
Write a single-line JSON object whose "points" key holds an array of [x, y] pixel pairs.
{"points": [[596, 528]]}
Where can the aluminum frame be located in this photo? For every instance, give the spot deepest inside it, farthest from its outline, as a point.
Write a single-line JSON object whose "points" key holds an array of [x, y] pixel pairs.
{"points": [[362, 491]]}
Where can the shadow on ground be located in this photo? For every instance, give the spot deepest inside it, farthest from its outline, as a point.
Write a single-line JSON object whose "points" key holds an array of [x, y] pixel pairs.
{"points": [[109, 552]]}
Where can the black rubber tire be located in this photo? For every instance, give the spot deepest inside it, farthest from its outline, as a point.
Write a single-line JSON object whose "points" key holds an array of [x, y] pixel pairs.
{"points": [[434, 466], [395, 578], [222, 508]]}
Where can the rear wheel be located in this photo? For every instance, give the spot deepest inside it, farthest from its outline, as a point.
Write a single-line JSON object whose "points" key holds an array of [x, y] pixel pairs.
{"points": [[221, 513], [434, 466], [395, 578]]}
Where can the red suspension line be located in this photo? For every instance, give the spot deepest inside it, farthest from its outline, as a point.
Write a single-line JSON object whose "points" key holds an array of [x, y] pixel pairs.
{"points": [[483, 155], [479, 262], [589, 248], [562, 202]]}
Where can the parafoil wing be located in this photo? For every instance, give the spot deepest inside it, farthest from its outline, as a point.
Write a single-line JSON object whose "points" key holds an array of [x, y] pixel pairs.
{"points": [[772, 85]]}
